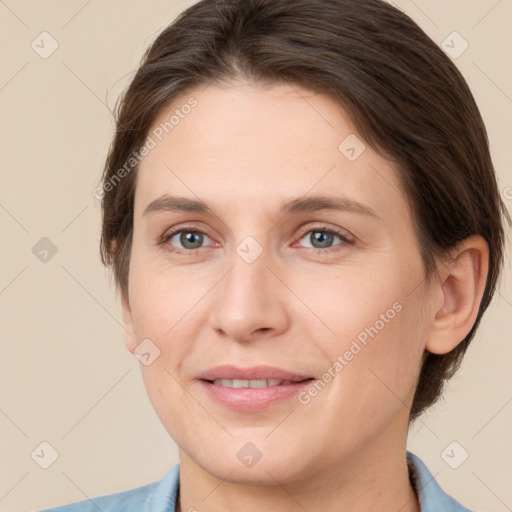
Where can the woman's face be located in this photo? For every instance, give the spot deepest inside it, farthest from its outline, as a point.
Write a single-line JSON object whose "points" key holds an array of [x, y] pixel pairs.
{"points": [[268, 276]]}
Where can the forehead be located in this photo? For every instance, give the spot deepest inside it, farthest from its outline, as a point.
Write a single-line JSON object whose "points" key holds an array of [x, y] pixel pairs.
{"points": [[255, 113], [246, 142]]}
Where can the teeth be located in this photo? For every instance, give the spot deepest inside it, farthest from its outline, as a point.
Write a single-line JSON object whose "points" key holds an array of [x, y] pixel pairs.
{"points": [[243, 383]]}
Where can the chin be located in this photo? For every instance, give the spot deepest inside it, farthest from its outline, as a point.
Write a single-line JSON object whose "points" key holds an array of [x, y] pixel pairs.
{"points": [[258, 463]]}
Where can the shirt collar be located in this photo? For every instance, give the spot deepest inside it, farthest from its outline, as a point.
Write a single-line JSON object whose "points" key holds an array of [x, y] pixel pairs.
{"points": [[430, 495]]}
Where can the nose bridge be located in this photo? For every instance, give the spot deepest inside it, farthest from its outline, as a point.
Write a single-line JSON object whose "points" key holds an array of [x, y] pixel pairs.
{"points": [[249, 298], [247, 281], [249, 255]]}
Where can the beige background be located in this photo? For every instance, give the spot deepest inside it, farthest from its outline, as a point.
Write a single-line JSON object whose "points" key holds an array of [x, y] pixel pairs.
{"points": [[65, 375]]}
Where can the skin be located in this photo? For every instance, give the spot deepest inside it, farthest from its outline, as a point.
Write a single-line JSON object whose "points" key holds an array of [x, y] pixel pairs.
{"points": [[244, 149]]}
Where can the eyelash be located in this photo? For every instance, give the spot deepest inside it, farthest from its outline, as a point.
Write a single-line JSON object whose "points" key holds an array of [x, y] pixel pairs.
{"points": [[305, 231]]}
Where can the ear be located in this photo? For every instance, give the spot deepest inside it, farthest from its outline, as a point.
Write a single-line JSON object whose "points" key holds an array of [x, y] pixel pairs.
{"points": [[129, 332], [462, 284]]}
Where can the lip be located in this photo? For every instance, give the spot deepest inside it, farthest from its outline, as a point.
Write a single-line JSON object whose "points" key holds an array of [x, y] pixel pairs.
{"points": [[251, 399]]}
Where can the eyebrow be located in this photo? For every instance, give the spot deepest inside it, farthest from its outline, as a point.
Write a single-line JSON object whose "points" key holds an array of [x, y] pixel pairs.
{"points": [[309, 204]]}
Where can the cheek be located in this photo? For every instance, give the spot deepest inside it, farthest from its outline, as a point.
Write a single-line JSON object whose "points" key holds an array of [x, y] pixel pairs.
{"points": [[161, 298], [375, 336], [381, 364], [348, 303], [374, 385], [160, 314]]}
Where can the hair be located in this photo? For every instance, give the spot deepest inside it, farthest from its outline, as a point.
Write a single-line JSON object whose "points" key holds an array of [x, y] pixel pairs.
{"points": [[404, 96]]}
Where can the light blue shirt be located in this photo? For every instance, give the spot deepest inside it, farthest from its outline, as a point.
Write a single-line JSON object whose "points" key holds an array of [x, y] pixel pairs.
{"points": [[160, 496]]}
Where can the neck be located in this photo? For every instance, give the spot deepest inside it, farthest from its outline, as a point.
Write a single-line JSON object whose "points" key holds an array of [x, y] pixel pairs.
{"points": [[363, 482]]}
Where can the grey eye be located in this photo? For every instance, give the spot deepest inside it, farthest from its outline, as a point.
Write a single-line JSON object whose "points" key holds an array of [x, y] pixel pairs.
{"points": [[188, 239]]}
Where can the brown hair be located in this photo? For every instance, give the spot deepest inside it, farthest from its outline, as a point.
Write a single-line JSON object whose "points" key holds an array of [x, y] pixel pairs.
{"points": [[404, 95]]}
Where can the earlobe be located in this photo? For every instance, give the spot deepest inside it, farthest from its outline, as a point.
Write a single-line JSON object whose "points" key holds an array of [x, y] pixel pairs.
{"points": [[129, 333], [462, 285]]}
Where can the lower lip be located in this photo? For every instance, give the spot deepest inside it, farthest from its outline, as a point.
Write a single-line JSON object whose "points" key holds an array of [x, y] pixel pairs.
{"points": [[252, 399]]}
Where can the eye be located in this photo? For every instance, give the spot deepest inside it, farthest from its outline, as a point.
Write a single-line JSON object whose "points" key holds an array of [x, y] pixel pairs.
{"points": [[190, 240], [322, 237]]}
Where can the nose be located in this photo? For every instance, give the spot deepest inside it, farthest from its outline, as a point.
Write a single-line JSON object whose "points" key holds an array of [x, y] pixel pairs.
{"points": [[250, 301]]}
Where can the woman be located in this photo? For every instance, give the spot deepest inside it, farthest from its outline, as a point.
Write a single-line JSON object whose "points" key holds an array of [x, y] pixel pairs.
{"points": [[303, 220]]}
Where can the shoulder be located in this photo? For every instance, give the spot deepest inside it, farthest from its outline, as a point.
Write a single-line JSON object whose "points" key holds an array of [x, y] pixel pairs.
{"points": [[431, 497], [159, 496]]}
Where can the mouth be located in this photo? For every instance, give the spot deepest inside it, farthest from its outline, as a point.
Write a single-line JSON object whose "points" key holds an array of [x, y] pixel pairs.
{"points": [[251, 389]]}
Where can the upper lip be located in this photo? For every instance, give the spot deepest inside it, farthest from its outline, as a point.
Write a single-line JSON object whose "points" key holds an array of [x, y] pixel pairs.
{"points": [[251, 373]]}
